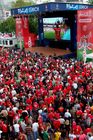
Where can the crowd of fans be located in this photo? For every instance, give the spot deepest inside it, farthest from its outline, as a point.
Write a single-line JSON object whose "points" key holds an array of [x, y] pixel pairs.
{"points": [[44, 98]]}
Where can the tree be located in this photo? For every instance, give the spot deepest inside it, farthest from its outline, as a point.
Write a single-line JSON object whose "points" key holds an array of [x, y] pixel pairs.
{"points": [[90, 1], [8, 25], [21, 3], [33, 24]]}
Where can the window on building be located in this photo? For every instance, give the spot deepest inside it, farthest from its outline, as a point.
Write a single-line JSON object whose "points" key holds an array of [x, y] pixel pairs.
{"points": [[7, 14], [3, 42], [6, 42], [11, 42], [0, 42]]}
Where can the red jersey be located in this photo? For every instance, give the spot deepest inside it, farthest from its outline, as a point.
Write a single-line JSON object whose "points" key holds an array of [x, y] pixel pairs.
{"points": [[57, 33]]}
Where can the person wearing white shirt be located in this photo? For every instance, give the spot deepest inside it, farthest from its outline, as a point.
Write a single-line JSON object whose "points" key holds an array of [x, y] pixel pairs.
{"points": [[62, 120], [23, 126], [14, 99], [75, 86], [1, 90], [13, 92], [16, 128], [91, 138], [35, 127], [72, 136], [15, 109], [0, 134], [67, 114]]}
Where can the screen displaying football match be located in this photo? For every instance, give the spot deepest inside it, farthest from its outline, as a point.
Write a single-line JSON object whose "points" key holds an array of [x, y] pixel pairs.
{"points": [[56, 28]]}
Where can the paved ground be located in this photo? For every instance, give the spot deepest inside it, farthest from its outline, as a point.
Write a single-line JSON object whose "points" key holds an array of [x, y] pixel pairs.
{"points": [[49, 51]]}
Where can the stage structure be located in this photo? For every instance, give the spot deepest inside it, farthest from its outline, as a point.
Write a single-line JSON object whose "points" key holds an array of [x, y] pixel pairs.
{"points": [[80, 17]]}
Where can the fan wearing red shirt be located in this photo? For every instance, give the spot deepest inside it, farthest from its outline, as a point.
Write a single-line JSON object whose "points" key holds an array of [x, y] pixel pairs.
{"points": [[5, 131], [78, 130], [56, 124], [57, 30], [10, 116]]}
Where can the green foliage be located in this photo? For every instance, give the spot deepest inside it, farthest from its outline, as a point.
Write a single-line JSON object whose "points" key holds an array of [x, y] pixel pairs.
{"points": [[33, 24], [8, 25], [21, 3], [90, 1]]}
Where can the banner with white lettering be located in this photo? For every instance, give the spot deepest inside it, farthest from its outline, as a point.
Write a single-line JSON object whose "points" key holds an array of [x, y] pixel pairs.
{"points": [[85, 34], [19, 28], [25, 24], [30, 40], [24, 37]]}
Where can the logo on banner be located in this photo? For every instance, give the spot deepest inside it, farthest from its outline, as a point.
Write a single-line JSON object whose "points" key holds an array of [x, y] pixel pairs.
{"points": [[85, 28], [76, 6], [84, 42], [29, 42], [19, 27], [84, 54], [57, 6], [46, 8], [72, 6], [25, 22], [85, 14], [18, 20], [28, 10]]}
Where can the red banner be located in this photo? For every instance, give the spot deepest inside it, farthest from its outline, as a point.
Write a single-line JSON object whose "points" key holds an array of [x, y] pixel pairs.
{"points": [[30, 40], [19, 28], [85, 28], [84, 33], [25, 24], [22, 32]]}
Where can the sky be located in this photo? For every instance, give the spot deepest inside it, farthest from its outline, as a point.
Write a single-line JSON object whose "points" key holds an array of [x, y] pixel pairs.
{"points": [[38, 1], [6, 1]]}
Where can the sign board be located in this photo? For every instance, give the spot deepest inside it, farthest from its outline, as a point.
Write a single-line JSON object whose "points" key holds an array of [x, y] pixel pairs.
{"points": [[52, 6], [84, 34]]}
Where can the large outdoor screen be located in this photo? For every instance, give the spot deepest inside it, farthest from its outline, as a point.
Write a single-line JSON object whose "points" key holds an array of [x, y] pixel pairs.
{"points": [[56, 28]]}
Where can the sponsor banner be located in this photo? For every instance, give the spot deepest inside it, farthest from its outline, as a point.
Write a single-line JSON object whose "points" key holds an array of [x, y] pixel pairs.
{"points": [[25, 25], [49, 7], [24, 37], [27, 42], [28, 10], [84, 33], [30, 40], [76, 6], [22, 26], [19, 28]]}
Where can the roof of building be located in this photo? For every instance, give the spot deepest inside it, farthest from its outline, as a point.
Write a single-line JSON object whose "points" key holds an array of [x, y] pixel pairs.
{"points": [[49, 7]]}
